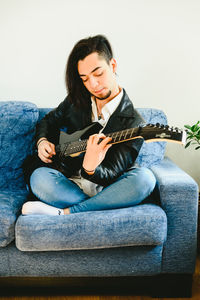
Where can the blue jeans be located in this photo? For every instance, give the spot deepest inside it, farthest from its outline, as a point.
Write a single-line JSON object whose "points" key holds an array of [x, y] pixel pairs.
{"points": [[53, 188]]}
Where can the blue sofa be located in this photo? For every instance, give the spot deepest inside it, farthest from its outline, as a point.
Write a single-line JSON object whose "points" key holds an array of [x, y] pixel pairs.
{"points": [[149, 248]]}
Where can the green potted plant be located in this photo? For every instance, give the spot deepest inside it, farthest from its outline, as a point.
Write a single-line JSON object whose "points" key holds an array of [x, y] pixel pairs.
{"points": [[193, 135]]}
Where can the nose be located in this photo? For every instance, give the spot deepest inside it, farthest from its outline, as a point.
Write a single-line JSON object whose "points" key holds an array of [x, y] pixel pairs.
{"points": [[93, 82]]}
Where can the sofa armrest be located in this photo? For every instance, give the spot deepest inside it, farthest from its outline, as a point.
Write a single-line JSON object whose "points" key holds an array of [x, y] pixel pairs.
{"points": [[178, 194], [10, 208]]}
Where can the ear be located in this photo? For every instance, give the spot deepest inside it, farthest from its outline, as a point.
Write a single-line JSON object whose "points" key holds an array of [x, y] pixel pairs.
{"points": [[113, 65]]}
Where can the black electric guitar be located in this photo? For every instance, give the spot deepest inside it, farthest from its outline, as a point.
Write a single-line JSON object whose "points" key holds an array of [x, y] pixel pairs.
{"points": [[73, 144]]}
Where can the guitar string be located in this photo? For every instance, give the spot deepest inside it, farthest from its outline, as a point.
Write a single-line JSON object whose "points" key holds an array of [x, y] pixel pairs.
{"points": [[116, 136]]}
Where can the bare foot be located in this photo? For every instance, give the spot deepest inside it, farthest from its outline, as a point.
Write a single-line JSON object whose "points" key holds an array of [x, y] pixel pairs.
{"points": [[66, 211]]}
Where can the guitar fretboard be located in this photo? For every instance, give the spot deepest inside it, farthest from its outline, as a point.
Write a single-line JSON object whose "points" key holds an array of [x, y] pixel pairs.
{"points": [[119, 136]]}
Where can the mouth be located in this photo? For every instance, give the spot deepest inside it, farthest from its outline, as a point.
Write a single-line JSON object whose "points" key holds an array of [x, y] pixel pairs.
{"points": [[99, 91]]}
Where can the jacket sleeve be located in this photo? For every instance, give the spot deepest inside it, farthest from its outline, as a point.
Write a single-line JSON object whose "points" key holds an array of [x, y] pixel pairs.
{"points": [[49, 126]]}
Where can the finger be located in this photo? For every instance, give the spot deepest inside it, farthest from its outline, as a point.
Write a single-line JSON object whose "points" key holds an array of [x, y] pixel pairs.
{"points": [[53, 149], [91, 139], [97, 138], [44, 158], [108, 147], [44, 155], [43, 151], [105, 141], [49, 149]]}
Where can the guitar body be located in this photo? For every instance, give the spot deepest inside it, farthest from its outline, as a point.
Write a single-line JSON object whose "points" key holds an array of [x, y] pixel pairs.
{"points": [[63, 162], [78, 135]]}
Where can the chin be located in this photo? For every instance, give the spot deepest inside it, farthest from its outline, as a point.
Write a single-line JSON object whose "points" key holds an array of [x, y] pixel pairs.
{"points": [[103, 97]]}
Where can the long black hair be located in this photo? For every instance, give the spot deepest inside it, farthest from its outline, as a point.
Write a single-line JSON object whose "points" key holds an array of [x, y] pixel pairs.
{"points": [[77, 92]]}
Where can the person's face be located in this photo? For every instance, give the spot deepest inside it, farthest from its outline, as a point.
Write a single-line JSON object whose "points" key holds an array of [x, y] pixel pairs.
{"points": [[98, 76]]}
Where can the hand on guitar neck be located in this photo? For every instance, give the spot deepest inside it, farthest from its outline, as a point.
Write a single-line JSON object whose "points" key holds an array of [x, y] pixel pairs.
{"points": [[97, 146]]}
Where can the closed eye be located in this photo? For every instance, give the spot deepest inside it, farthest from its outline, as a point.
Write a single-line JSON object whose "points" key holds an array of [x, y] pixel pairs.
{"points": [[99, 74], [96, 75]]}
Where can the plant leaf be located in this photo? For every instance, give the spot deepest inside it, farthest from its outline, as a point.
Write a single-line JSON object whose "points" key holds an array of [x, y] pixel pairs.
{"points": [[188, 144], [190, 136], [187, 126]]}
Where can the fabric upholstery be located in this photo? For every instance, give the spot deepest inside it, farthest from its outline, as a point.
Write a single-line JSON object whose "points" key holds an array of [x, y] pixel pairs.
{"points": [[122, 261], [177, 192], [10, 208], [17, 124], [135, 226], [152, 153]]}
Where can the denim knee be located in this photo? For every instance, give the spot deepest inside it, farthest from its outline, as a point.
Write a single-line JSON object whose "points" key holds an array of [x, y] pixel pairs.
{"points": [[128, 190], [52, 187], [143, 182], [149, 180]]}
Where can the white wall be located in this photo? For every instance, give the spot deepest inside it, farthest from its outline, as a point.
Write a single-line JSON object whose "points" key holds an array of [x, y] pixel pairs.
{"points": [[156, 44]]}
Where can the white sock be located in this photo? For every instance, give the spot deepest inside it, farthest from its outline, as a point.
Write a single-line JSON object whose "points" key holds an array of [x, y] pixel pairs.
{"points": [[40, 208]]}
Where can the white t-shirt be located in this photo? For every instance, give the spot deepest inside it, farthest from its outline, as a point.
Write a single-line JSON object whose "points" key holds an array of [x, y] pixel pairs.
{"points": [[88, 187]]}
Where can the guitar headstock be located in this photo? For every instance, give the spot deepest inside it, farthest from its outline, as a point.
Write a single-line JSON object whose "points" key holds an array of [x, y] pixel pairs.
{"points": [[159, 132]]}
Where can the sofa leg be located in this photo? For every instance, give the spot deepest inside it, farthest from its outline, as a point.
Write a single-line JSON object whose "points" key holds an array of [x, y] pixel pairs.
{"points": [[172, 286]]}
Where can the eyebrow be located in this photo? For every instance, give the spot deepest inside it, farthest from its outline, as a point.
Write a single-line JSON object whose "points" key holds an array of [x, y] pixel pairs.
{"points": [[81, 75]]}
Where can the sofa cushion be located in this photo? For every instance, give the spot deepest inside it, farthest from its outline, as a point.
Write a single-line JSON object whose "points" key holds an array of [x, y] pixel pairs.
{"points": [[134, 226], [10, 208], [152, 153], [17, 125]]}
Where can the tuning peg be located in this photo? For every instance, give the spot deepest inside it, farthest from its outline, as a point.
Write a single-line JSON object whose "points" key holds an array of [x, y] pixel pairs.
{"points": [[169, 128]]}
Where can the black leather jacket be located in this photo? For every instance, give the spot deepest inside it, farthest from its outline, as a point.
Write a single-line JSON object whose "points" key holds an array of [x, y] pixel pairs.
{"points": [[119, 158]]}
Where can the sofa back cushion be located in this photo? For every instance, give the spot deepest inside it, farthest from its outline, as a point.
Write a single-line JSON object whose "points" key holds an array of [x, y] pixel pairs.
{"points": [[17, 126], [152, 153]]}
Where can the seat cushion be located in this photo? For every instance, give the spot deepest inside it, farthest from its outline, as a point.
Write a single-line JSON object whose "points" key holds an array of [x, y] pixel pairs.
{"points": [[17, 125], [134, 226]]}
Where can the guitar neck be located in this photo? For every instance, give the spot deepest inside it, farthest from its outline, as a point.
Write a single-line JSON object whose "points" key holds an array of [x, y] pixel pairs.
{"points": [[150, 133]]}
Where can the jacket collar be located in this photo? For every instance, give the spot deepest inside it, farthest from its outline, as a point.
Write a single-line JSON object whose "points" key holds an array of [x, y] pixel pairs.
{"points": [[124, 110]]}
